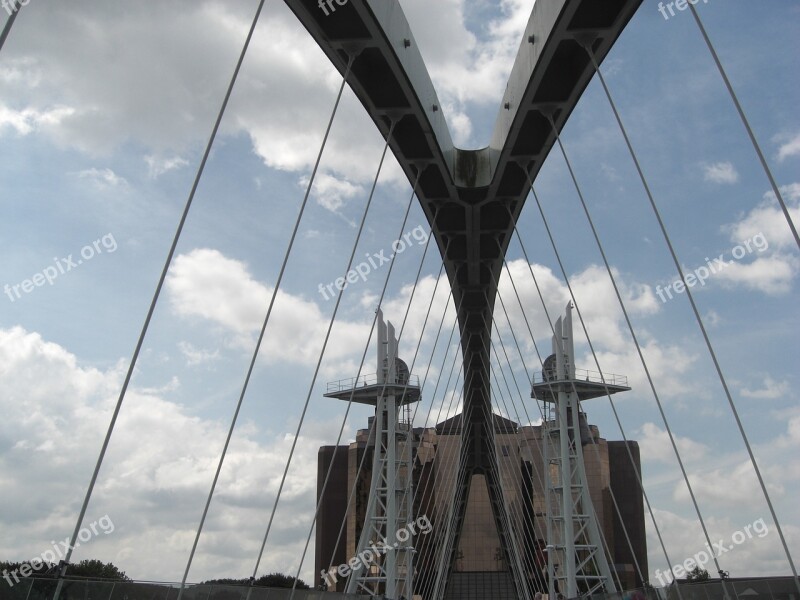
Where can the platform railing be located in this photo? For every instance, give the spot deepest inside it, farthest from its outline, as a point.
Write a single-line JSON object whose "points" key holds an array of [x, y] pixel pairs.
{"points": [[344, 385], [33, 588], [583, 375]]}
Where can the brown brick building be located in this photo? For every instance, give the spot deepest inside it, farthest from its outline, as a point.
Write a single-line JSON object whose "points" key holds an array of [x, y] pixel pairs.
{"points": [[478, 557]]}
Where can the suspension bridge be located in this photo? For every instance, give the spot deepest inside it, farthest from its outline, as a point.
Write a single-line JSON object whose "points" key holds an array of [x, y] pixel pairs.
{"points": [[518, 495]]}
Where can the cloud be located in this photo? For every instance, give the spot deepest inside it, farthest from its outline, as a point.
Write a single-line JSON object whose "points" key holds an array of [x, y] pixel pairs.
{"points": [[609, 172], [721, 172], [655, 446], [29, 120], [666, 363], [604, 322], [195, 356], [441, 309], [155, 477], [333, 193], [772, 275], [777, 265], [205, 284], [157, 166], [165, 90], [749, 542], [730, 499], [790, 147], [467, 70], [772, 389], [768, 219], [460, 125], [712, 318], [730, 487], [792, 437], [602, 315], [102, 178]]}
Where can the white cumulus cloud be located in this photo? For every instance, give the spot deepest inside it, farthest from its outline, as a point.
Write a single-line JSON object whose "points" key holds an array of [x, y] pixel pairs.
{"points": [[721, 172]]}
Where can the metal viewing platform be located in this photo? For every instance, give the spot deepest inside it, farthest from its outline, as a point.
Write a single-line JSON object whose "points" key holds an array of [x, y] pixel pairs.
{"points": [[587, 384], [366, 388]]}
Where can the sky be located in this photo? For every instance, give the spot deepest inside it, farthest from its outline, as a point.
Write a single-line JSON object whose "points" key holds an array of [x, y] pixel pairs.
{"points": [[105, 110]]}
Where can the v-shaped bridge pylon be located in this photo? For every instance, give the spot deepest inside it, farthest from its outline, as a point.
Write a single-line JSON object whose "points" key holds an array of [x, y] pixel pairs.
{"points": [[471, 198]]}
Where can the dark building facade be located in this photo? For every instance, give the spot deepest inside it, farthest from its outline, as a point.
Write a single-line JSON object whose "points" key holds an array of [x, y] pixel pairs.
{"points": [[333, 509], [519, 453], [625, 485]]}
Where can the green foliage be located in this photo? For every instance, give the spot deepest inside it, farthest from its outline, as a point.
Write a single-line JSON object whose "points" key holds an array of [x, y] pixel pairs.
{"points": [[274, 580], [7, 565], [278, 580], [697, 574], [95, 569], [86, 569]]}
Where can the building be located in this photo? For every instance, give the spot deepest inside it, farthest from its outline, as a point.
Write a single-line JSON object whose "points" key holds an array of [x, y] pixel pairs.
{"points": [[478, 558]]}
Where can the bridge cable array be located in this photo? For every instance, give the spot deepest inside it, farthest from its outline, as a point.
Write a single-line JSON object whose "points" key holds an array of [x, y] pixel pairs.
{"points": [[690, 295], [156, 295], [514, 523]]}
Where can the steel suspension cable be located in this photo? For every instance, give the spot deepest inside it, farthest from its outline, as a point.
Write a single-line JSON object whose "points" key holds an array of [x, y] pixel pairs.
{"points": [[427, 371], [540, 475], [527, 530], [602, 534], [353, 392], [746, 123], [364, 455], [324, 347], [441, 463], [490, 420], [523, 584], [431, 548], [613, 280], [15, 8], [698, 318], [539, 471], [438, 577], [447, 386], [583, 325], [613, 408], [154, 301], [519, 392], [264, 324], [530, 380], [606, 547], [594, 442]]}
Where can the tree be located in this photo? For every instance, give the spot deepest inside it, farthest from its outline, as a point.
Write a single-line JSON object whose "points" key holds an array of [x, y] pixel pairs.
{"points": [[86, 569], [697, 574], [273, 580], [279, 580], [95, 569]]}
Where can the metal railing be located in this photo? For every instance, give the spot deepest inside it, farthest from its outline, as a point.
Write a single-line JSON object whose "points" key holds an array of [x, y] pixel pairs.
{"points": [[766, 588], [344, 385], [32, 588], [583, 375]]}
